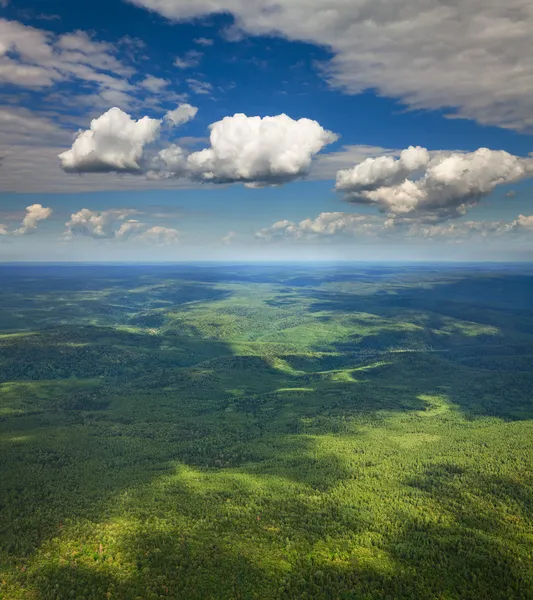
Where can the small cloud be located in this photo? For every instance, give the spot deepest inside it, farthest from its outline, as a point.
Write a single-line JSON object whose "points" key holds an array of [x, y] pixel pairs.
{"points": [[181, 115], [154, 84], [189, 60], [228, 239], [114, 224], [159, 236], [510, 194], [34, 214], [202, 41], [199, 87]]}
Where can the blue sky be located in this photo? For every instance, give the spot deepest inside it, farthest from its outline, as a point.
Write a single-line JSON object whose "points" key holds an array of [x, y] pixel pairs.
{"points": [[370, 79]]}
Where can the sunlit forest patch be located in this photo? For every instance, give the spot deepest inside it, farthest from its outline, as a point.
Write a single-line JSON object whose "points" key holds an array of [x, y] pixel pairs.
{"points": [[266, 432]]}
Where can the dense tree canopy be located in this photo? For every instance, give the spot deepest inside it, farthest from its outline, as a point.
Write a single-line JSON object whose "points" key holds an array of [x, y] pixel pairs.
{"points": [[268, 433]]}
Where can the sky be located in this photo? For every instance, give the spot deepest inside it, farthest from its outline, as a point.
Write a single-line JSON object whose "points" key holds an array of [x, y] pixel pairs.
{"points": [[273, 130]]}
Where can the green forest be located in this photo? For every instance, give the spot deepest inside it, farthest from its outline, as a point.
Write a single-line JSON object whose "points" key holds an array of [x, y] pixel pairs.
{"points": [[233, 432]]}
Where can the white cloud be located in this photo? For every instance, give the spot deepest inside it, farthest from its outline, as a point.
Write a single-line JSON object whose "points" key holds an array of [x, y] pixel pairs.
{"points": [[338, 226], [523, 222], [251, 150], [159, 236], [189, 60], [96, 224], [182, 114], [34, 214], [116, 224], [199, 87], [141, 232], [326, 166], [38, 58], [382, 171], [450, 183], [171, 162], [129, 229], [154, 84], [115, 142], [3, 230], [327, 224], [472, 56], [259, 151], [36, 169], [202, 41]]}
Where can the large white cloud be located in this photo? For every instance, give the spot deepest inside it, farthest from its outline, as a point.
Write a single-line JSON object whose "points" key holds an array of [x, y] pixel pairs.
{"points": [[449, 185], [472, 55], [34, 214], [251, 150], [259, 151], [114, 142]]}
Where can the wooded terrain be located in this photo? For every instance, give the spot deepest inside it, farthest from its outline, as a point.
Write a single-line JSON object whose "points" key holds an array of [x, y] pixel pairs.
{"points": [[196, 432]]}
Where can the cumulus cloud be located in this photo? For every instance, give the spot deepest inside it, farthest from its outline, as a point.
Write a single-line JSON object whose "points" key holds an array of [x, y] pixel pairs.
{"points": [[382, 171], [423, 52], [171, 162], [181, 115], [449, 182], [34, 214], [96, 224], [129, 229], [3, 230], [259, 151], [114, 142], [523, 222], [339, 226], [522, 225], [326, 166], [116, 224], [327, 224], [251, 150], [159, 236], [141, 232]]}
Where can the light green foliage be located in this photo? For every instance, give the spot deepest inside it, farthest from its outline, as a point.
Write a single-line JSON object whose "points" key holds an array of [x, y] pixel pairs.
{"points": [[266, 433]]}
